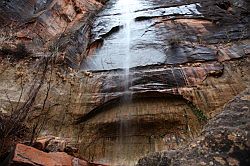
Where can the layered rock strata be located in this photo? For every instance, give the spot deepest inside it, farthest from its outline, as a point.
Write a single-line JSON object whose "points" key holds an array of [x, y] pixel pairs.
{"points": [[205, 64], [224, 140]]}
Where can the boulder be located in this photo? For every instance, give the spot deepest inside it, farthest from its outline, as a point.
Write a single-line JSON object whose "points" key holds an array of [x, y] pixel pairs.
{"points": [[26, 155], [43, 142], [55, 144]]}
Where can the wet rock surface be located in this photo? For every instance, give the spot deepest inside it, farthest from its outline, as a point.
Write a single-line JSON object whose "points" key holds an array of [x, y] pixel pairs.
{"points": [[170, 100], [188, 58], [164, 33], [153, 82], [161, 96], [224, 140]]}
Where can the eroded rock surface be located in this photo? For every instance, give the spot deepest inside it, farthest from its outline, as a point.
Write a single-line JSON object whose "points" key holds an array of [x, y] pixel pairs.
{"points": [[224, 141], [159, 32], [190, 58], [50, 28]]}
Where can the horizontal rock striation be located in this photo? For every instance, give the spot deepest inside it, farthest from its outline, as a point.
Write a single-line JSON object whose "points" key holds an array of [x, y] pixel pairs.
{"points": [[191, 58], [224, 140]]}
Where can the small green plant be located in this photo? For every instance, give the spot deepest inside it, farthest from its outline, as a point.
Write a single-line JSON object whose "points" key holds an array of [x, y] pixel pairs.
{"points": [[198, 113]]}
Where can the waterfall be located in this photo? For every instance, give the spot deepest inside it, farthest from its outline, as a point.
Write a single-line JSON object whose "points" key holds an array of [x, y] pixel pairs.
{"points": [[128, 18], [125, 126]]}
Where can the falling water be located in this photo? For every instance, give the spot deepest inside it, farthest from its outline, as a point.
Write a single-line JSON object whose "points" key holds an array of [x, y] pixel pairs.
{"points": [[128, 18], [133, 45], [125, 127]]}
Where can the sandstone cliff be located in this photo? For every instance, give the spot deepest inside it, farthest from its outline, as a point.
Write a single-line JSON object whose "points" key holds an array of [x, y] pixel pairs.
{"points": [[62, 62], [224, 140]]}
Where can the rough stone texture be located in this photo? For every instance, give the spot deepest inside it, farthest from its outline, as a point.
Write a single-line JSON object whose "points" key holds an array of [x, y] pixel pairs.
{"points": [[167, 33], [160, 97], [97, 98], [206, 64], [224, 140], [54, 27], [25, 155]]}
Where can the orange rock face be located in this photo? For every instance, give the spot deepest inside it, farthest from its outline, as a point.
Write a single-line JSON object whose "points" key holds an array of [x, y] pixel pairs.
{"points": [[43, 25], [203, 62], [25, 155], [28, 155]]}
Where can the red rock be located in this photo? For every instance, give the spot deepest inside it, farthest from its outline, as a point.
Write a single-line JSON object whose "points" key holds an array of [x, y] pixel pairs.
{"points": [[45, 21], [26, 155]]}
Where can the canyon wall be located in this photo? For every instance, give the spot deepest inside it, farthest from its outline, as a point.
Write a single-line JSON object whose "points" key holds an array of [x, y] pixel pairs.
{"points": [[205, 65]]}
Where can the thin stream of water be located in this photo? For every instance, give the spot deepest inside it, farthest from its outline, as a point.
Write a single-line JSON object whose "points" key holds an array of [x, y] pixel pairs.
{"points": [[127, 30], [134, 43], [127, 19], [127, 15]]}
